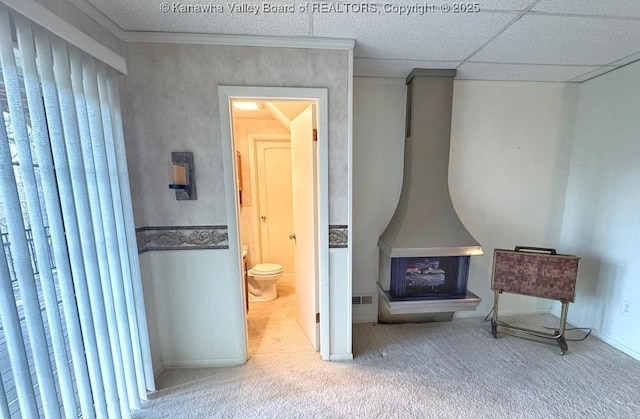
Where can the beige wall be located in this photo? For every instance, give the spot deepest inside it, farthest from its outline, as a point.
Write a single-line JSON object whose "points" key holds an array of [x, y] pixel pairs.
{"points": [[601, 221], [170, 103], [508, 170]]}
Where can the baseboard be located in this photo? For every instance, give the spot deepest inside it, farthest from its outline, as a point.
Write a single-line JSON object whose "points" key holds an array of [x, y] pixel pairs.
{"points": [[618, 345], [204, 363], [158, 368], [458, 315], [364, 313], [606, 339], [364, 319], [531, 311], [341, 357]]}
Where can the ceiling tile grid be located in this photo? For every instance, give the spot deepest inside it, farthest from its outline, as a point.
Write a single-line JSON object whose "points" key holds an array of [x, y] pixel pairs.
{"points": [[532, 40], [200, 16], [617, 8], [489, 71], [434, 36], [375, 67], [546, 39]]}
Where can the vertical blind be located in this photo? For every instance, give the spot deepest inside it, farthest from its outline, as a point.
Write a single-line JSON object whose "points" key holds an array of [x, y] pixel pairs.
{"points": [[73, 337]]}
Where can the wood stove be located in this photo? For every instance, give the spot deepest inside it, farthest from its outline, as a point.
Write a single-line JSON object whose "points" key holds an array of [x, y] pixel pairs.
{"points": [[425, 250]]}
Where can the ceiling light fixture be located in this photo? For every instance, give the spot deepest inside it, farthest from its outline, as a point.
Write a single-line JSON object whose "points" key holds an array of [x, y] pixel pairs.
{"points": [[246, 106]]}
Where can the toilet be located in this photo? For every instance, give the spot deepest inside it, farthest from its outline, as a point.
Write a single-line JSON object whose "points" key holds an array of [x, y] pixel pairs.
{"points": [[262, 281]]}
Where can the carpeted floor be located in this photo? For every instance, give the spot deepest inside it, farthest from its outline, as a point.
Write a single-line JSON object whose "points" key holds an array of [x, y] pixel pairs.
{"points": [[272, 325], [435, 370]]}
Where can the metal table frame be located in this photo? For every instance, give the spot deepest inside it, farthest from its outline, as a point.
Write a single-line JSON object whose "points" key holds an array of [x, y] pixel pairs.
{"points": [[521, 332]]}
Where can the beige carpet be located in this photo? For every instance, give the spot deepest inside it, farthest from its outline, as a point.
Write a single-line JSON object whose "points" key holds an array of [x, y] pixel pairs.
{"points": [[438, 370], [272, 325]]}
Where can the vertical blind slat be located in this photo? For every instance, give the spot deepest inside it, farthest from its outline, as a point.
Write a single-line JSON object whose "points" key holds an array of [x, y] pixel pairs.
{"points": [[40, 240], [16, 229], [9, 317], [4, 403], [135, 302], [110, 201], [87, 236], [65, 129], [71, 304], [83, 77]]}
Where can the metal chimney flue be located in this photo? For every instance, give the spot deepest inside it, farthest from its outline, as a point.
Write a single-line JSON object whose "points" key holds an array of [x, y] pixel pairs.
{"points": [[425, 222], [425, 250]]}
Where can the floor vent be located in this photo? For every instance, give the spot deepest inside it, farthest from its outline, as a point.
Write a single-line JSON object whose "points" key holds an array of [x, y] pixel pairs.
{"points": [[362, 299]]}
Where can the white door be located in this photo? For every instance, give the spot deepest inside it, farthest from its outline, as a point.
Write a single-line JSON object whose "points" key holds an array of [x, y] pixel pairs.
{"points": [[303, 168], [275, 209]]}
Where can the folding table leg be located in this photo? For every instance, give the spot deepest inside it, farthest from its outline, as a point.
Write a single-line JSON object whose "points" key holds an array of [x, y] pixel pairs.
{"points": [[560, 340], [494, 318]]}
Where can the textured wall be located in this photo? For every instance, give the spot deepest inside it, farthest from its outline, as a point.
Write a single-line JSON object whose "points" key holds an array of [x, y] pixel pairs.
{"points": [[601, 221], [378, 150], [510, 151], [509, 162], [170, 103]]}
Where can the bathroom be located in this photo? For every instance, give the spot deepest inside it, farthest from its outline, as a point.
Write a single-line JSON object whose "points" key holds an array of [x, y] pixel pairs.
{"points": [[262, 133]]}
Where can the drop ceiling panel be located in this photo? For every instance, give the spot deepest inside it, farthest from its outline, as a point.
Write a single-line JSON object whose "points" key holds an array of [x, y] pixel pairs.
{"points": [[575, 36], [595, 73], [437, 36], [544, 39], [620, 8], [503, 4], [627, 60], [519, 72], [149, 15], [373, 67]]}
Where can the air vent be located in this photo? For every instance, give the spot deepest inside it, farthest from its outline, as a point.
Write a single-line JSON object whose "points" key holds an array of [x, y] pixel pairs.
{"points": [[361, 299]]}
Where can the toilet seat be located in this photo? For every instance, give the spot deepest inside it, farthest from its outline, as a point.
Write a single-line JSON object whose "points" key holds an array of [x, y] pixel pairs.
{"points": [[266, 269]]}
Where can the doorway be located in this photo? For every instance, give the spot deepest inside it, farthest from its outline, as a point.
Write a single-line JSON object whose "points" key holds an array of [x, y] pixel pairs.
{"points": [[309, 236], [269, 161]]}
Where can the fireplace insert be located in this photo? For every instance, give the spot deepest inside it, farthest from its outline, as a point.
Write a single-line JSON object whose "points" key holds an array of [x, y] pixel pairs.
{"points": [[429, 277]]}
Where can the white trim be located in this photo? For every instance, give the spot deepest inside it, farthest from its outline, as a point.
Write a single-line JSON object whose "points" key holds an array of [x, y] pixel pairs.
{"points": [[341, 357], [349, 292], [618, 345], [319, 95], [158, 368], [555, 310], [255, 200], [205, 363], [239, 40], [233, 226], [52, 22], [323, 225]]}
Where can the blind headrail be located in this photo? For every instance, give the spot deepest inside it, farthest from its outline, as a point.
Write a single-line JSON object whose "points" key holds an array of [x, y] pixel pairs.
{"points": [[60, 27]]}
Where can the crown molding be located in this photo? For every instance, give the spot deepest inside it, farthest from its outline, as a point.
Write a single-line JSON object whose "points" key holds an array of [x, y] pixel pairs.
{"points": [[239, 40], [95, 14]]}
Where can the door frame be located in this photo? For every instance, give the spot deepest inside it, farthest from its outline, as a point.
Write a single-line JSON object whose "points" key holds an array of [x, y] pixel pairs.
{"points": [[253, 142], [270, 94]]}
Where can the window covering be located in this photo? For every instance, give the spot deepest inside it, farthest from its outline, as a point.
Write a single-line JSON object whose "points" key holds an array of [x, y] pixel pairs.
{"points": [[73, 334]]}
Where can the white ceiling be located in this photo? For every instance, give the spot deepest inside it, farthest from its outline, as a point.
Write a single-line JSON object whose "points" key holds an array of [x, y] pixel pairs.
{"points": [[529, 40]]}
